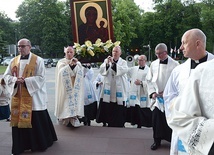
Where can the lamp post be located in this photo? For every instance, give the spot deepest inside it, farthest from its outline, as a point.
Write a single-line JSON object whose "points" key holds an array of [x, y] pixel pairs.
{"points": [[15, 52], [148, 46], [149, 51]]}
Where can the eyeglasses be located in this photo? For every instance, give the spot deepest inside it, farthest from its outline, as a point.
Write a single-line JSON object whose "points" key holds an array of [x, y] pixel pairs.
{"points": [[159, 53], [22, 46]]}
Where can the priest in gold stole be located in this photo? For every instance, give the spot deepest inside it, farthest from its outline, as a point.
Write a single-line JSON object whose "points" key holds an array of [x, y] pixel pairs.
{"points": [[30, 120]]}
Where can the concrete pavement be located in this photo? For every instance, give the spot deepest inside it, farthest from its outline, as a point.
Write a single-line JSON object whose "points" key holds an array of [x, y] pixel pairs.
{"points": [[93, 140]]}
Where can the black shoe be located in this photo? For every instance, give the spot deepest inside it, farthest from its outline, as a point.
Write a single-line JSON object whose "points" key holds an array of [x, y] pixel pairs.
{"points": [[138, 126], [69, 125], [85, 123], [155, 146], [89, 123]]}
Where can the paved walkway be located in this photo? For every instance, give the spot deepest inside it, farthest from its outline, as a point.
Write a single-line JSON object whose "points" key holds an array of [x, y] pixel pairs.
{"points": [[93, 140]]}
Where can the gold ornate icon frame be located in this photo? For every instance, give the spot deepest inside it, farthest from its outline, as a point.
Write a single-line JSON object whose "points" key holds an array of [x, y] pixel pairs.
{"points": [[104, 14]]}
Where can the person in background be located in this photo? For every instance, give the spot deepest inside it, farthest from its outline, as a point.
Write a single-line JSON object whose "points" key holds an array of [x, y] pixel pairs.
{"points": [[98, 85], [5, 98], [157, 77], [69, 105], [138, 106], [192, 112], [90, 99], [32, 128], [193, 45], [112, 106]]}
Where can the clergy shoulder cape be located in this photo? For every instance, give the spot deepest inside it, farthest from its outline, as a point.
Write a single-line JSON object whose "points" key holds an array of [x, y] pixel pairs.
{"points": [[177, 81], [138, 94], [90, 95], [192, 116], [115, 86], [61, 63], [98, 89], [154, 75], [28, 97], [70, 91]]}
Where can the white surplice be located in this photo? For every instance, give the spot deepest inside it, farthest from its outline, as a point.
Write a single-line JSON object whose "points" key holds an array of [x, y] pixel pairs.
{"points": [[90, 96], [157, 78], [69, 90], [174, 87], [177, 82], [36, 85], [192, 112], [5, 94], [115, 84], [98, 88], [138, 94]]}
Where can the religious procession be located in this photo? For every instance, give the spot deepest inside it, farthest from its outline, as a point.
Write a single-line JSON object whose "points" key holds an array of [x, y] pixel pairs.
{"points": [[142, 95], [173, 99]]}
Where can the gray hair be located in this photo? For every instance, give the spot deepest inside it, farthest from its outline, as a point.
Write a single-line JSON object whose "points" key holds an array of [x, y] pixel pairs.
{"points": [[144, 57], [161, 46], [25, 39]]}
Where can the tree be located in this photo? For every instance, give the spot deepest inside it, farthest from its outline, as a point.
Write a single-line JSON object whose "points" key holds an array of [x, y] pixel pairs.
{"points": [[7, 26], [126, 21], [7, 33], [169, 21], [45, 24], [207, 20]]}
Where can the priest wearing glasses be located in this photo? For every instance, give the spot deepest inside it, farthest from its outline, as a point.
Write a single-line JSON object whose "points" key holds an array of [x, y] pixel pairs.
{"points": [[157, 77], [30, 120]]}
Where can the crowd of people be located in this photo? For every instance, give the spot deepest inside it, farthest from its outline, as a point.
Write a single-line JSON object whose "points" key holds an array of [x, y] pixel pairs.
{"points": [[174, 99]]}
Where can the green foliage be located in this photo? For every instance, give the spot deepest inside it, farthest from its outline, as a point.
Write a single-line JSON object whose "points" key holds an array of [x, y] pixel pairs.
{"points": [[2, 69], [47, 23], [7, 33], [171, 19], [207, 20], [126, 20], [7, 29]]}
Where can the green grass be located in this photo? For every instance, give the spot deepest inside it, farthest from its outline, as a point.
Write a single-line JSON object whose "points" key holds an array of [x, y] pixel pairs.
{"points": [[2, 69]]}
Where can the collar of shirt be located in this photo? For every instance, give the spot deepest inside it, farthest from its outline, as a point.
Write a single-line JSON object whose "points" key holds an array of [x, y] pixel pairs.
{"points": [[25, 56], [164, 61], [141, 67], [115, 61], [194, 63]]}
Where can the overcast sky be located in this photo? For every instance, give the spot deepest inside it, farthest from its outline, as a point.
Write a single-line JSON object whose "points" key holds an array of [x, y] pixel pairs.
{"points": [[10, 6]]}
